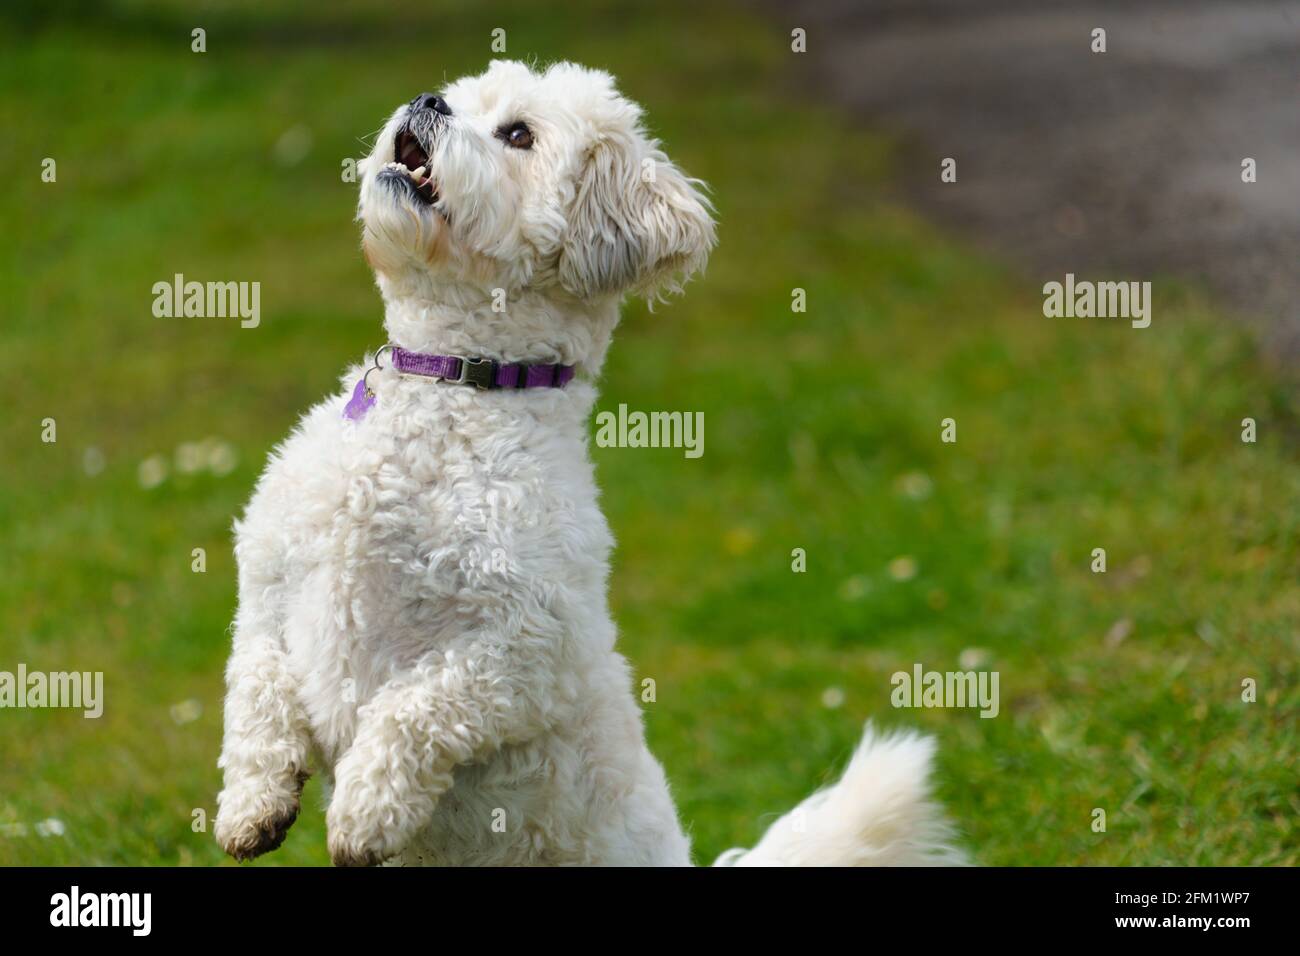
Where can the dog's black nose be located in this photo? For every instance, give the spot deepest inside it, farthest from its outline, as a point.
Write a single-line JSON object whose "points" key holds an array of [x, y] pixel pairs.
{"points": [[431, 101]]}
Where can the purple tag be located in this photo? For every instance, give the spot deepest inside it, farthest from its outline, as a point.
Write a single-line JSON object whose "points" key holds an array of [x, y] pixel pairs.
{"points": [[360, 403]]}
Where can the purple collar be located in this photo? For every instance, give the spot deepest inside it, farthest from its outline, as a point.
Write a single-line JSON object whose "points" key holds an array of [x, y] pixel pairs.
{"points": [[481, 373]]}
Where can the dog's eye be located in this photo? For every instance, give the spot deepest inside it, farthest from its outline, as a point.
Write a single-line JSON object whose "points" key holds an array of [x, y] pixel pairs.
{"points": [[517, 135]]}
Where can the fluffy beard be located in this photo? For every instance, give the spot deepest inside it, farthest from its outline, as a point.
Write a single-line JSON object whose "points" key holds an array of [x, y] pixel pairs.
{"points": [[404, 222], [400, 229]]}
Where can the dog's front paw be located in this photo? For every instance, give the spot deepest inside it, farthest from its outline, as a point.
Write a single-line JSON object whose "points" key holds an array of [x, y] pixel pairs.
{"points": [[254, 816], [373, 813], [352, 850], [360, 823]]}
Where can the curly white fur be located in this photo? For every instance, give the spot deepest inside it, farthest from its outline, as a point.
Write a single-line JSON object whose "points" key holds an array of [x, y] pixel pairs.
{"points": [[422, 592]]}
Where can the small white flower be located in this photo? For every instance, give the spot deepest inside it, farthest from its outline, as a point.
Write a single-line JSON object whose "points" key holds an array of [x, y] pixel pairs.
{"points": [[1118, 633], [92, 461], [915, 485], [293, 146], [832, 697], [902, 568], [222, 457], [152, 471], [51, 827], [187, 711], [190, 457], [855, 588]]}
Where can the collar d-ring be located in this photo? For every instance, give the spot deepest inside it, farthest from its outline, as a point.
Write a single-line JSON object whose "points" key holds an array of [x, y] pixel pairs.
{"points": [[365, 379]]}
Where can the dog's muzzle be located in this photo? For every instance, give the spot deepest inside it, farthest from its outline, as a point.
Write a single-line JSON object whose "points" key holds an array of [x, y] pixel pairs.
{"points": [[410, 163], [410, 154], [431, 102]]}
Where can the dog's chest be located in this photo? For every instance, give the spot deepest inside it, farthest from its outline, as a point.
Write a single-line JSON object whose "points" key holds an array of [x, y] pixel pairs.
{"points": [[453, 503], [417, 527]]}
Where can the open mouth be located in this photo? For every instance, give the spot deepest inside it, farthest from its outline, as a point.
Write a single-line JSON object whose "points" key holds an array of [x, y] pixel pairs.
{"points": [[410, 157]]}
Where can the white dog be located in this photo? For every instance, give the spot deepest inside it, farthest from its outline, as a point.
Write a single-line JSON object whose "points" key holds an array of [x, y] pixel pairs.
{"points": [[422, 570]]}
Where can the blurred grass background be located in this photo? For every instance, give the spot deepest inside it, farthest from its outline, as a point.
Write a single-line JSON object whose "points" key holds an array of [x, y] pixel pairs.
{"points": [[1119, 691]]}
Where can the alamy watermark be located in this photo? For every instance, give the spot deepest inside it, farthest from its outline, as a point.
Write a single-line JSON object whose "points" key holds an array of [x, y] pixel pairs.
{"points": [[78, 690], [75, 908], [935, 689], [213, 300], [1101, 300], [626, 429]]}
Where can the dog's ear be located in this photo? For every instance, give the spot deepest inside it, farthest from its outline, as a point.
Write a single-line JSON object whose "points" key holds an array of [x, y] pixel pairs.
{"points": [[638, 224]]}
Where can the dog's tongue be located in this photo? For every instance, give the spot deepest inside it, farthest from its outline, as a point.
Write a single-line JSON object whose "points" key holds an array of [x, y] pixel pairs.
{"points": [[412, 156]]}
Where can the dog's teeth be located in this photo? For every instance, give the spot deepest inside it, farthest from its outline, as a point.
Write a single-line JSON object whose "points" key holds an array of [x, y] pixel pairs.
{"points": [[418, 174]]}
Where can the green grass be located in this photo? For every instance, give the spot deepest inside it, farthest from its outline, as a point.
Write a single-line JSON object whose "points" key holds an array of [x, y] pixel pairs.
{"points": [[822, 433]]}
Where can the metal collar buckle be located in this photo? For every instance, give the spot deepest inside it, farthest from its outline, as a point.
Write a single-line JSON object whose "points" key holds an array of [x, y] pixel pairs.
{"points": [[479, 372]]}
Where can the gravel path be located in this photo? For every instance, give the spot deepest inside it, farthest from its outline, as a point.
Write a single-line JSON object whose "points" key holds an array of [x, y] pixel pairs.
{"points": [[1122, 165]]}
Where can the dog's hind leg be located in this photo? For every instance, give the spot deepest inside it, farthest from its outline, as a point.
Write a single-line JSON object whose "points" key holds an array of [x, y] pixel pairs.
{"points": [[265, 748]]}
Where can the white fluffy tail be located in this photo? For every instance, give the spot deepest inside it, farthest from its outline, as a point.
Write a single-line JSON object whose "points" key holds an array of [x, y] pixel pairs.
{"points": [[879, 813]]}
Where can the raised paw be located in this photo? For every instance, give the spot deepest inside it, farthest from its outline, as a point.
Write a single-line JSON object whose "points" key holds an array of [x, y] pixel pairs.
{"points": [[253, 818], [375, 810], [357, 839], [348, 853], [357, 835]]}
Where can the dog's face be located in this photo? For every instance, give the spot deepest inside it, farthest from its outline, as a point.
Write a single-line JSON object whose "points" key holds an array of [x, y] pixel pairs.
{"points": [[518, 179]]}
